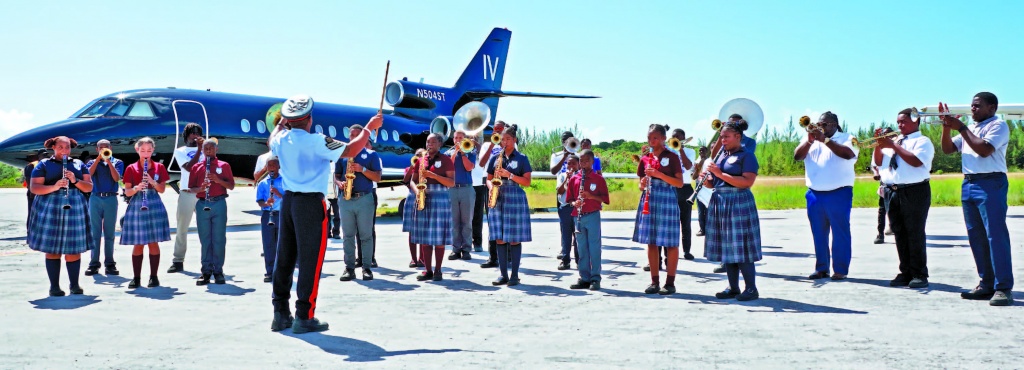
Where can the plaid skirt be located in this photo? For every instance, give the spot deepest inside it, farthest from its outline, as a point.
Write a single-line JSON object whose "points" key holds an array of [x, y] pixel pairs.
{"points": [[149, 226], [433, 223], [733, 229], [56, 230], [661, 226], [509, 220], [409, 213]]}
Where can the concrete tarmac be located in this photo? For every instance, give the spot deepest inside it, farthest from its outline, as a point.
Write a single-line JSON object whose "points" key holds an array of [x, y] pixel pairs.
{"points": [[464, 322]]}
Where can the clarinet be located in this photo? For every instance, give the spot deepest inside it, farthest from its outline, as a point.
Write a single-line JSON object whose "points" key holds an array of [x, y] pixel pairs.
{"points": [[64, 172], [206, 189], [700, 183], [270, 222], [579, 196], [145, 200]]}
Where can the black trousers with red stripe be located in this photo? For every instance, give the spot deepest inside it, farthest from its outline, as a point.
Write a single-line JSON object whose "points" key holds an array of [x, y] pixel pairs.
{"points": [[303, 237]]}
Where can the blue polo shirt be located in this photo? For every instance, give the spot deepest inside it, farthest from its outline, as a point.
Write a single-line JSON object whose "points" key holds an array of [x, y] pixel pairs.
{"points": [[104, 182], [735, 164], [462, 176], [263, 192], [749, 144], [50, 170], [366, 158], [516, 163]]}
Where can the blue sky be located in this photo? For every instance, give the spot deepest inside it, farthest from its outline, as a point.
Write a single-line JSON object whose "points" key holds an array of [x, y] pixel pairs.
{"points": [[672, 62]]}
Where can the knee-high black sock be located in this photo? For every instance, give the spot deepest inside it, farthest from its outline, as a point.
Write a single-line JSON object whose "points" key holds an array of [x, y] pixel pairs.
{"points": [[137, 264], [154, 263], [732, 270], [748, 275], [502, 255], [492, 250], [516, 251], [73, 270], [53, 271]]}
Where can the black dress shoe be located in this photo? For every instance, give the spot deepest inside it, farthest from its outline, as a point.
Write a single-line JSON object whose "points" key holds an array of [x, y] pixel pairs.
{"points": [[513, 281], [688, 256], [563, 266], [700, 233], [719, 269], [359, 263], [76, 290], [438, 276], [728, 293], [595, 285], [818, 275], [419, 264], [218, 278], [838, 277], [500, 281], [489, 264], [111, 270], [879, 239], [153, 282], [134, 283], [267, 278], [367, 274], [454, 255], [373, 263], [560, 257], [652, 289], [978, 294], [348, 275], [748, 295], [56, 292], [176, 267], [426, 275], [466, 256], [580, 284], [300, 326], [647, 267], [667, 290], [203, 280], [92, 271], [281, 321], [414, 264], [899, 281], [918, 283]]}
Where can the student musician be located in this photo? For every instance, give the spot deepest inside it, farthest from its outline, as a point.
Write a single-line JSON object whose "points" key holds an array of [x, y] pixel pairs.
{"points": [[210, 181], [587, 191], [145, 220], [508, 222], [657, 214], [269, 194], [433, 227]]}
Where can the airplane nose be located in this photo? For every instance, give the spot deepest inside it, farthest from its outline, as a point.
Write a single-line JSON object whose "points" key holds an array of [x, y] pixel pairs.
{"points": [[16, 149]]}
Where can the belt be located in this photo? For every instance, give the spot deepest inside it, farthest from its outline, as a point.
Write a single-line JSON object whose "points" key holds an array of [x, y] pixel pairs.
{"points": [[355, 195], [213, 199], [105, 194], [826, 191], [895, 187], [589, 213], [462, 185], [304, 194], [266, 212], [979, 176]]}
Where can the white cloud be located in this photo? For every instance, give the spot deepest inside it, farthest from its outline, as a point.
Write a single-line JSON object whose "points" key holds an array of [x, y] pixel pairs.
{"points": [[14, 121]]}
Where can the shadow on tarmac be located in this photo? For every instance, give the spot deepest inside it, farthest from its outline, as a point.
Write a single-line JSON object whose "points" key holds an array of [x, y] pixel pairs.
{"points": [[386, 285], [160, 293], [71, 302], [358, 350], [759, 305]]}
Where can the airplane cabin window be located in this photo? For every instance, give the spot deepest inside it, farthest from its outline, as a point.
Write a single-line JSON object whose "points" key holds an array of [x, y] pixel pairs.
{"points": [[98, 109], [141, 109], [384, 135], [394, 135], [119, 109], [261, 127]]}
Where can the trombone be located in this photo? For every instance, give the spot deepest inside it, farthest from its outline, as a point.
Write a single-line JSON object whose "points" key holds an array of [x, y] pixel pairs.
{"points": [[916, 114]]}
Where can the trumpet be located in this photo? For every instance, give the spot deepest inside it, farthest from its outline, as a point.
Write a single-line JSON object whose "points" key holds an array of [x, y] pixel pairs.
{"points": [[412, 161], [495, 138], [350, 177], [492, 196], [873, 141], [467, 145], [676, 144], [64, 171], [105, 153], [805, 123], [716, 124], [421, 187], [571, 145]]}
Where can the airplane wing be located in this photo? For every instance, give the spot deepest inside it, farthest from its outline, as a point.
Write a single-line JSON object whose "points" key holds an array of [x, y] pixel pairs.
{"points": [[607, 175], [481, 94]]}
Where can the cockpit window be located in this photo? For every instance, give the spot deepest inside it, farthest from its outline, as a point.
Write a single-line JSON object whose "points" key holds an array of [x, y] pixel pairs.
{"points": [[86, 107], [141, 109], [119, 109], [98, 109]]}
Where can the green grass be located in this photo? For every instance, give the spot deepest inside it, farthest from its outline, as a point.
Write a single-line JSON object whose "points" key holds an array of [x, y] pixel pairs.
{"points": [[782, 193]]}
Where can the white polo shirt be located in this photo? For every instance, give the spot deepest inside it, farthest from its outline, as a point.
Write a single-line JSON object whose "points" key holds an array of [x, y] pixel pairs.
{"points": [[884, 176], [182, 155], [304, 158], [904, 173], [827, 171], [995, 132], [692, 155]]}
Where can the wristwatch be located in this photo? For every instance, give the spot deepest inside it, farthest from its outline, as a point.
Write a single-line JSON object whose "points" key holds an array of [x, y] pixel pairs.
{"points": [[827, 140], [962, 128]]}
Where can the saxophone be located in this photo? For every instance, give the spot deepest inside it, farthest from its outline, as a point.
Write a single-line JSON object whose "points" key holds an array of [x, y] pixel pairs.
{"points": [[421, 187], [350, 177], [492, 197]]}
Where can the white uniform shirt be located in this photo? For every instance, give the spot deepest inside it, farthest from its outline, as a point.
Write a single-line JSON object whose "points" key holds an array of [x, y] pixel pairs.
{"points": [[479, 172], [304, 159], [692, 155], [995, 132], [555, 158], [182, 155], [561, 178], [332, 187], [827, 171], [883, 174], [261, 161], [904, 173]]}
